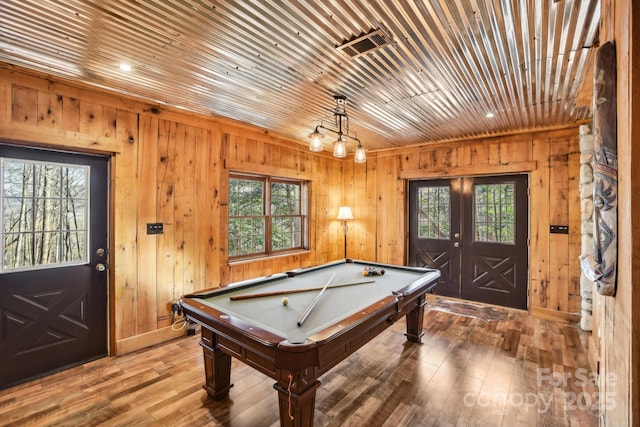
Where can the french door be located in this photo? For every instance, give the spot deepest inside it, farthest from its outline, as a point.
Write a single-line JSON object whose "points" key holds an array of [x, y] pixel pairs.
{"points": [[475, 231], [53, 278]]}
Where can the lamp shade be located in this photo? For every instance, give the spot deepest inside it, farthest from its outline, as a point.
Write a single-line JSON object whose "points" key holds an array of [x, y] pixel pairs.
{"points": [[344, 213], [316, 141], [340, 148], [361, 154]]}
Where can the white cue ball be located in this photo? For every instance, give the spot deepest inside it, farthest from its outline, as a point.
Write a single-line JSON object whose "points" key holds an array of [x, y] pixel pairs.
{"points": [[285, 301]]}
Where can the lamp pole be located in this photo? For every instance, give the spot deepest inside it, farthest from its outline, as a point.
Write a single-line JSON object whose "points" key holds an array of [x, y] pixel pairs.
{"points": [[346, 227], [345, 214]]}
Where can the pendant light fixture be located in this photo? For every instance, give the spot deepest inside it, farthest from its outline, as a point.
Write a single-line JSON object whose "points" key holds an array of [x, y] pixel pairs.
{"points": [[341, 128], [340, 147], [361, 154]]}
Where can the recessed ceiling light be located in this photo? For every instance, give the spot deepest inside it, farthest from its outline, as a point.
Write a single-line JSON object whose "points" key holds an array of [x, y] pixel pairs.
{"points": [[490, 115], [125, 67]]}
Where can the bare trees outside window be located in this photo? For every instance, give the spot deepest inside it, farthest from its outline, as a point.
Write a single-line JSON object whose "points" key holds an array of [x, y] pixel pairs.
{"points": [[44, 214]]}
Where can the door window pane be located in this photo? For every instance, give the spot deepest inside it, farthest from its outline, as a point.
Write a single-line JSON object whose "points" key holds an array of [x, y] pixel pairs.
{"points": [[494, 216], [44, 214], [434, 216]]}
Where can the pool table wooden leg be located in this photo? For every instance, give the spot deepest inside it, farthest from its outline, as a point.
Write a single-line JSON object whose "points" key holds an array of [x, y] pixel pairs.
{"points": [[217, 366], [297, 398], [415, 319]]}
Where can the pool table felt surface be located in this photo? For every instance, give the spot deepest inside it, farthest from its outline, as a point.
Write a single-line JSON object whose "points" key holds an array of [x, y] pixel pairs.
{"points": [[336, 304]]}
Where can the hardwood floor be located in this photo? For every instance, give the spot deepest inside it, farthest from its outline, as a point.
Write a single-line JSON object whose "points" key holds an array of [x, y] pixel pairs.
{"points": [[477, 366]]}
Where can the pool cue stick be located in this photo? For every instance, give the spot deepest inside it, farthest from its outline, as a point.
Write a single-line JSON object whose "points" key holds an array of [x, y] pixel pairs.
{"points": [[314, 302], [294, 291]]}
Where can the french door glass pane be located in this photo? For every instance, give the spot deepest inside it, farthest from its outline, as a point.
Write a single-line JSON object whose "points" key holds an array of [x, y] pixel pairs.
{"points": [[495, 211], [44, 214], [434, 216]]}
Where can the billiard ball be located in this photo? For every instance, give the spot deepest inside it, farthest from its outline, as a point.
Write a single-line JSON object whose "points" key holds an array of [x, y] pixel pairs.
{"points": [[285, 301]]}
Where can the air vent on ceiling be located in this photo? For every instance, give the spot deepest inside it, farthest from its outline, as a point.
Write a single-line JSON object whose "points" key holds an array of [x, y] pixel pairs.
{"points": [[359, 45]]}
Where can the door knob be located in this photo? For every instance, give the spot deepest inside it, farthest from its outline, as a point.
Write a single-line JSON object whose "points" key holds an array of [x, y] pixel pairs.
{"points": [[456, 244], [457, 235], [101, 267]]}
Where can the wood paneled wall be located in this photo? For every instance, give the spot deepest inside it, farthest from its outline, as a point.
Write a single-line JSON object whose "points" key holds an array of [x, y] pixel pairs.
{"points": [[172, 167], [618, 317], [551, 159], [246, 151]]}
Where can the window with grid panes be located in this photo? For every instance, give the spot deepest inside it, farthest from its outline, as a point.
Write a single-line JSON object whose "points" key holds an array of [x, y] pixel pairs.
{"points": [[495, 212], [266, 215], [45, 212], [434, 219]]}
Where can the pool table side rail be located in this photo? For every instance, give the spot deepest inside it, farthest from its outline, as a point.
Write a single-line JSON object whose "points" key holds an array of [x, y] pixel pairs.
{"points": [[237, 286], [421, 270], [205, 314], [431, 277]]}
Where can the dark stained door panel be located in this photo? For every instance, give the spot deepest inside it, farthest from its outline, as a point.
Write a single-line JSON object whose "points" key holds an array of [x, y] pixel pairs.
{"points": [[475, 231], [53, 315]]}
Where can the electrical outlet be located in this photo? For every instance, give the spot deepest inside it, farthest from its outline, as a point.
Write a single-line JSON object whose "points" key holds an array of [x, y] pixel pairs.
{"points": [[559, 229], [176, 308], [155, 228]]}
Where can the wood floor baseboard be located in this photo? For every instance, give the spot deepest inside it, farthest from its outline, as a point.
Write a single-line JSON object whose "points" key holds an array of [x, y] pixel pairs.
{"points": [[137, 342], [557, 316]]}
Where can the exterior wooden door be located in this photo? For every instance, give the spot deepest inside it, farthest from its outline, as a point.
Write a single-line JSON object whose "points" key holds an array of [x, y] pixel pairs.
{"points": [[476, 231], [434, 230], [53, 274]]}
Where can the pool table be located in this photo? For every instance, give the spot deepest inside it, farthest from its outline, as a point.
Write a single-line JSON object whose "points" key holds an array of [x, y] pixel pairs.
{"points": [[263, 332]]}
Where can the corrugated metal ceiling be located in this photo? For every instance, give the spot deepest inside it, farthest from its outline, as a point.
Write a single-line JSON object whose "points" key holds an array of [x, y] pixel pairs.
{"points": [[275, 64]]}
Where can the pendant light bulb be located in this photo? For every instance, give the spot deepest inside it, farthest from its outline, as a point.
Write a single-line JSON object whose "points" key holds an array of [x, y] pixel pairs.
{"points": [[361, 154], [316, 141], [340, 148]]}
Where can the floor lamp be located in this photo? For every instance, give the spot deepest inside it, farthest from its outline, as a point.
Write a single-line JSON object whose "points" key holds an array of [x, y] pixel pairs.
{"points": [[345, 214]]}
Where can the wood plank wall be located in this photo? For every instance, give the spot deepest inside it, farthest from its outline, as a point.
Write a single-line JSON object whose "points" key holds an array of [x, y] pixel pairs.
{"points": [[551, 159], [170, 168], [618, 317], [245, 151], [173, 167]]}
